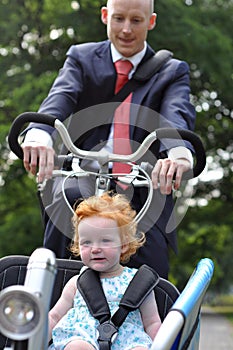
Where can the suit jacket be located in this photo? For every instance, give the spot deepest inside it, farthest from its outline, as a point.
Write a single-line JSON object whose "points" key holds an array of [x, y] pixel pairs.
{"points": [[86, 84]]}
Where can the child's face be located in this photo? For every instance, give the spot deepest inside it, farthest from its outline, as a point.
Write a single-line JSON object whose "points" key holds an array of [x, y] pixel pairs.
{"points": [[100, 244]]}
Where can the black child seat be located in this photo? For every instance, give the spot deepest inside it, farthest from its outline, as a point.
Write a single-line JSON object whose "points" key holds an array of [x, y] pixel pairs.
{"points": [[13, 271]]}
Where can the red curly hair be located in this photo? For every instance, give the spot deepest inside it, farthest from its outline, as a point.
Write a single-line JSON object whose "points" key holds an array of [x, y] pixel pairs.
{"points": [[115, 207]]}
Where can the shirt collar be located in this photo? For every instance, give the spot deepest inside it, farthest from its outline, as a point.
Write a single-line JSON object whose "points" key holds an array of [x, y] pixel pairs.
{"points": [[135, 59]]}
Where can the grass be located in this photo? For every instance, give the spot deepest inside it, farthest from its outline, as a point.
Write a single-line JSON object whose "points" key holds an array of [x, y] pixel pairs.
{"points": [[226, 311], [223, 304]]}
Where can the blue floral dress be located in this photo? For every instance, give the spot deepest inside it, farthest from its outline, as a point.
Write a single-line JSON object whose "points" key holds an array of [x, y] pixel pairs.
{"points": [[79, 324]]}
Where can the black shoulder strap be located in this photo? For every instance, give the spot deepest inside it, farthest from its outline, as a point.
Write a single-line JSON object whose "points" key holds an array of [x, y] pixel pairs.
{"points": [[143, 73], [142, 284], [90, 287], [146, 70]]}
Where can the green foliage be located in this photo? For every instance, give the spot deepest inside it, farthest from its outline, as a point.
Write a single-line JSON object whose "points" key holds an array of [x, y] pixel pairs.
{"points": [[35, 36], [223, 300], [199, 34], [20, 223], [206, 232]]}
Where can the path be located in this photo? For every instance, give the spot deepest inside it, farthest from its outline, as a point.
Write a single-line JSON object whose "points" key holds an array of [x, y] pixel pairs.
{"points": [[216, 332]]}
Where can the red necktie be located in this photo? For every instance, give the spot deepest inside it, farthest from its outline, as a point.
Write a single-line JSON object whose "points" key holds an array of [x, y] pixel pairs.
{"points": [[121, 139]]}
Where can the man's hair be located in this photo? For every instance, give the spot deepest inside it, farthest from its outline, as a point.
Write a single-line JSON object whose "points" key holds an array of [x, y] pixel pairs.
{"points": [[115, 207], [151, 5]]}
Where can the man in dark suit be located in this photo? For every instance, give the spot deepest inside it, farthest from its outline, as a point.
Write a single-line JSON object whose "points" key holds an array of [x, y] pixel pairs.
{"points": [[86, 82]]}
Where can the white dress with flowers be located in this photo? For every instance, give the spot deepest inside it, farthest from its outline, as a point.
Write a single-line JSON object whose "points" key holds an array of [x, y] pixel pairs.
{"points": [[79, 324]]}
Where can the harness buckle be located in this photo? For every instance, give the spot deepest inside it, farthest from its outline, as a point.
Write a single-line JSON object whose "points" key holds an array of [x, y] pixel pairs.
{"points": [[107, 331]]}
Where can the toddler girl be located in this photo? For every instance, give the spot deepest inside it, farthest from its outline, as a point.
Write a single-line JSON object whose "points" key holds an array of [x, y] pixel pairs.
{"points": [[105, 235]]}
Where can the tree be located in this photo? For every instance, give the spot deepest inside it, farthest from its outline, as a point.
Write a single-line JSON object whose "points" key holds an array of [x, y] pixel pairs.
{"points": [[199, 32], [21, 227], [200, 236]]}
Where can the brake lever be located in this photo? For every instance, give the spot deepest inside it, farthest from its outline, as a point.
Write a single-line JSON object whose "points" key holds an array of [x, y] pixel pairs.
{"points": [[132, 178]]}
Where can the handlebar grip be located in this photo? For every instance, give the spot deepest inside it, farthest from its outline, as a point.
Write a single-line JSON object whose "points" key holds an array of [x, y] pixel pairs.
{"points": [[63, 162], [18, 124], [196, 142]]}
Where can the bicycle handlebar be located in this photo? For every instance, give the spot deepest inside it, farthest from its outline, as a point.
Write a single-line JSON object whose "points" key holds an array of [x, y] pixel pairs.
{"points": [[102, 157]]}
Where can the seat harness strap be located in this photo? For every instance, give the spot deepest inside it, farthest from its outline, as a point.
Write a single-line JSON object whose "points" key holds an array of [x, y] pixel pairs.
{"points": [[90, 287]]}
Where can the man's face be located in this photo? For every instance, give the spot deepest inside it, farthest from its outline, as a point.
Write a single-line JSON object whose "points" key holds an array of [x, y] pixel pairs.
{"points": [[128, 22]]}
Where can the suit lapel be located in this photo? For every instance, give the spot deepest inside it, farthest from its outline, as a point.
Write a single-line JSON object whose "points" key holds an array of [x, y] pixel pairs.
{"points": [[104, 67], [105, 74], [140, 93]]}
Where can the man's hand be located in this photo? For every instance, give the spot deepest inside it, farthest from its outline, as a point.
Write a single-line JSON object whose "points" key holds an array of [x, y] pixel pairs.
{"points": [[38, 157], [167, 174]]}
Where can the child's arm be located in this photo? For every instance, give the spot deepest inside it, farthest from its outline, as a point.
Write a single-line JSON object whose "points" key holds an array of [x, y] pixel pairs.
{"points": [[64, 303], [150, 315]]}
